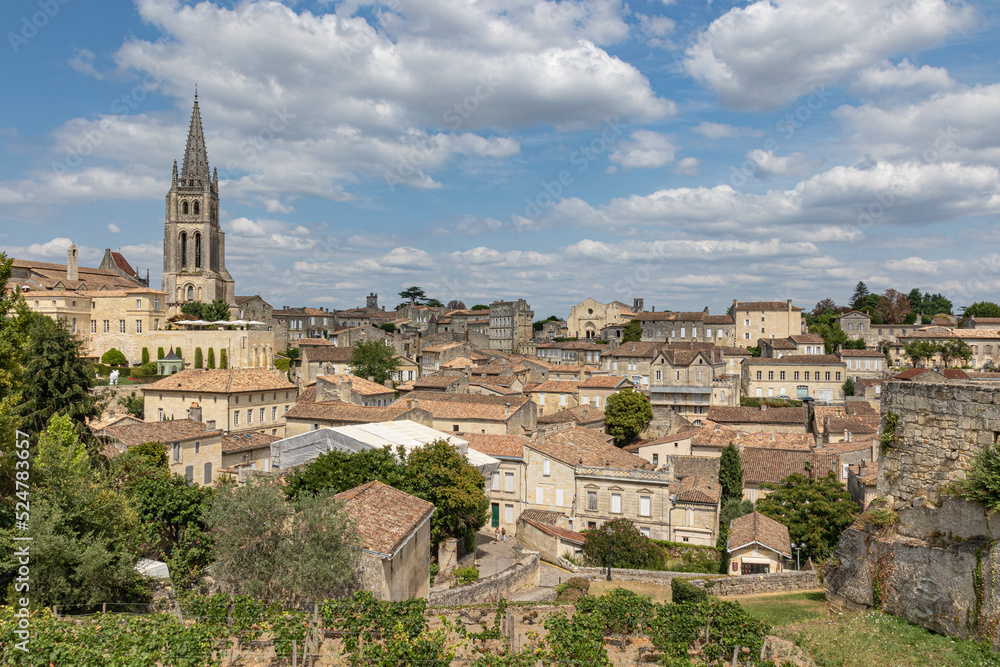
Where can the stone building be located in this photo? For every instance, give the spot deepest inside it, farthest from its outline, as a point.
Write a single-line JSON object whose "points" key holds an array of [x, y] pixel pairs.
{"points": [[765, 319], [863, 364], [307, 416], [510, 325], [194, 449], [632, 360], [757, 544], [690, 381], [353, 389], [474, 413], [306, 323], [194, 245], [588, 318], [395, 532], [253, 308], [506, 490], [758, 420], [694, 510], [695, 327], [820, 376]]}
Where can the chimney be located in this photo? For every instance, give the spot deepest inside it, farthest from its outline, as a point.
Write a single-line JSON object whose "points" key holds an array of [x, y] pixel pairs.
{"points": [[540, 437], [847, 436], [344, 389], [409, 404], [72, 263], [388, 384], [582, 373], [718, 428], [506, 409], [194, 412], [586, 410]]}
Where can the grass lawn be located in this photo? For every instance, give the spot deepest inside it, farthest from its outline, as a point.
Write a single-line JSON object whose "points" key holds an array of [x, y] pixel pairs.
{"points": [[874, 639], [785, 609]]}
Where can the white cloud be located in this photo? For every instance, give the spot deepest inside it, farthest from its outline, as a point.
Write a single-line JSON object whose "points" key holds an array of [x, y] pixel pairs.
{"points": [[768, 164], [83, 62], [644, 150], [768, 54], [114, 229], [687, 166], [891, 79], [723, 131]]}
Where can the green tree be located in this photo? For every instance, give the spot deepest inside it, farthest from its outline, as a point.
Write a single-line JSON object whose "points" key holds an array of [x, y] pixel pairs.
{"points": [[413, 293], [982, 482], [849, 387], [816, 511], [133, 404], [433, 303], [632, 332], [920, 349], [145, 355], [442, 476], [892, 307], [730, 473], [626, 414], [178, 352], [754, 350], [955, 348], [730, 509], [982, 309], [629, 547], [114, 357], [340, 471], [387, 326], [223, 361], [826, 326], [267, 548], [210, 312], [55, 378], [83, 532], [159, 353], [198, 360], [480, 306], [375, 359], [15, 319], [211, 357], [860, 295]]}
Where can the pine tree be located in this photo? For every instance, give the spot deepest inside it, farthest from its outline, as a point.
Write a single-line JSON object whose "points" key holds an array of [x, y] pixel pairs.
{"points": [[211, 358], [860, 294], [197, 357], [223, 361]]}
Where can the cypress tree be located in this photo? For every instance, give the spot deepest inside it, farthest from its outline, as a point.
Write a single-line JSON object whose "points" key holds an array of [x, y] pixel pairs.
{"points": [[178, 352], [730, 473], [197, 357], [159, 353], [211, 357], [222, 359], [145, 355]]}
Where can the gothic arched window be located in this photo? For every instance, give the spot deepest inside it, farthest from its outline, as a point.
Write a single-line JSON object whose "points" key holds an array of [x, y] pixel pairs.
{"points": [[197, 208], [197, 248], [184, 249], [184, 208]]}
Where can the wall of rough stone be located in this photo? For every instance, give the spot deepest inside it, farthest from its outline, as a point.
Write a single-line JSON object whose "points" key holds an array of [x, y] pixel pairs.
{"points": [[521, 576], [941, 425], [642, 576], [750, 584]]}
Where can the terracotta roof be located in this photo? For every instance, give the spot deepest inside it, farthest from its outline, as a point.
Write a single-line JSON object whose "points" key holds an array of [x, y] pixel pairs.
{"points": [[798, 359], [719, 319], [441, 347], [131, 434], [910, 373], [234, 443], [437, 381], [740, 415], [460, 362], [338, 411], [497, 380], [225, 381], [798, 441], [384, 517], [317, 342], [667, 316], [764, 305], [48, 275], [496, 388], [605, 382], [510, 446], [778, 343], [807, 339], [773, 465], [860, 353], [870, 477], [557, 387], [556, 531], [571, 368], [464, 406], [757, 528], [853, 423], [633, 350], [576, 414], [327, 354], [587, 447], [699, 489], [309, 395], [860, 444], [955, 374], [122, 264], [547, 517], [361, 385]]}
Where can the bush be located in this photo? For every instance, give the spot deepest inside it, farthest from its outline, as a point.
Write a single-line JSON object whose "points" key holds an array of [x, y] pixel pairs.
{"points": [[754, 402], [145, 355], [114, 357], [434, 572], [682, 590], [625, 612], [982, 483], [282, 364], [179, 353], [148, 368], [465, 575], [629, 547]]}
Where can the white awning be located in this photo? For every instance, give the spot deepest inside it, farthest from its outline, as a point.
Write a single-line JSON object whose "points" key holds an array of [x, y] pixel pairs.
{"points": [[756, 561]]}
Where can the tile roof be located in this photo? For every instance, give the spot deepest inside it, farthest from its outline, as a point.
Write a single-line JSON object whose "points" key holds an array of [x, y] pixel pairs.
{"points": [[309, 395], [671, 316], [234, 443], [593, 416], [860, 353], [327, 354], [460, 362], [338, 411], [556, 531], [755, 527], [778, 343], [464, 406], [441, 347], [587, 447], [571, 368], [496, 388], [383, 517], [636, 349], [361, 385], [699, 489], [853, 423], [859, 444], [542, 516], [606, 382], [773, 465], [797, 359], [557, 387], [806, 339], [510, 446], [741, 415], [764, 305], [225, 381], [437, 381], [49, 275], [798, 441], [870, 476], [131, 434]]}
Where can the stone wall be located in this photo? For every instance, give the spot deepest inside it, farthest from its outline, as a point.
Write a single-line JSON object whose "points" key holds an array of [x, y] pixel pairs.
{"points": [[521, 576], [940, 426], [751, 584], [621, 574]]}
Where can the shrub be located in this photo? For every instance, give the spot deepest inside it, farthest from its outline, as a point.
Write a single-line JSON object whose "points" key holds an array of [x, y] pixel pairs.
{"points": [[434, 572], [682, 590], [211, 358], [624, 611], [145, 355], [572, 589], [198, 360], [629, 547], [148, 368], [465, 575], [982, 484], [282, 364], [114, 357]]}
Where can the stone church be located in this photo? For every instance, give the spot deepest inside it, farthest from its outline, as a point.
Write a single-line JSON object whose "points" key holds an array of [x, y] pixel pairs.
{"points": [[194, 245]]}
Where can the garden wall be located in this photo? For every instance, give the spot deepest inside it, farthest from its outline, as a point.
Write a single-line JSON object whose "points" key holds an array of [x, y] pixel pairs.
{"points": [[751, 584], [521, 576]]}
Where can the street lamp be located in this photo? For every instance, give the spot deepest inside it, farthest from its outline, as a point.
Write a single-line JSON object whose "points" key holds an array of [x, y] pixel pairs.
{"points": [[798, 548], [607, 531]]}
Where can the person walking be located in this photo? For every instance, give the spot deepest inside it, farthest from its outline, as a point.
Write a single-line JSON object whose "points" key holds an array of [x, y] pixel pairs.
{"points": [[496, 534], [503, 535]]}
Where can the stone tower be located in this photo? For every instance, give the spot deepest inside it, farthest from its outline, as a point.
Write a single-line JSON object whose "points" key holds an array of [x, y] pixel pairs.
{"points": [[194, 246]]}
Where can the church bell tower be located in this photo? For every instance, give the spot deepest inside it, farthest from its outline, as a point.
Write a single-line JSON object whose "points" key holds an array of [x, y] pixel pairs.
{"points": [[194, 246]]}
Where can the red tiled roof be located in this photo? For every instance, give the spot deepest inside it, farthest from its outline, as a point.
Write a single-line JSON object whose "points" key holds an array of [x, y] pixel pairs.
{"points": [[338, 411], [234, 443], [773, 465], [359, 384], [698, 489], [557, 387], [225, 381], [587, 447], [798, 359], [605, 382], [764, 305], [131, 434], [636, 349], [860, 353], [464, 406], [437, 381], [741, 415], [510, 446], [122, 264], [383, 517], [327, 354], [755, 527], [556, 531], [593, 416]]}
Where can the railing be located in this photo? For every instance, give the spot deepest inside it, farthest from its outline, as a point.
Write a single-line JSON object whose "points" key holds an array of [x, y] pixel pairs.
{"points": [[661, 476]]}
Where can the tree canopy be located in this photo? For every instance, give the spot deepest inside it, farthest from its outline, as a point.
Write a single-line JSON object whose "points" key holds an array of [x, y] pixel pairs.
{"points": [[816, 511], [861, 293], [629, 547], [626, 414], [373, 358], [982, 309], [632, 332], [413, 293], [730, 473], [210, 312]]}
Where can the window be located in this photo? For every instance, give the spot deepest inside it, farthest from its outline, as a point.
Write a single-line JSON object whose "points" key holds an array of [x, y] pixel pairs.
{"points": [[838, 377], [156, 304], [828, 376], [249, 416], [189, 473], [546, 468], [559, 497], [760, 375], [539, 496], [616, 503], [496, 481], [677, 375], [644, 531], [508, 513], [699, 376], [656, 459], [208, 473], [93, 326], [121, 326], [746, 322], [781, 375], [795, 375], [159, 414], [659, 375], [746, 336], [509, 481], [770, 375], [541, 399], [156, 325], [138, 326], [274, 413], [645, 506], [454, 427], [806, 375], [236, 417], [197, 447], [177, 451], [592, 501]]}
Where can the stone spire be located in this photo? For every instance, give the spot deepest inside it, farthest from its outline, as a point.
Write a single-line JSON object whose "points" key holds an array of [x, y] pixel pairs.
{"points": [[195, 155]]}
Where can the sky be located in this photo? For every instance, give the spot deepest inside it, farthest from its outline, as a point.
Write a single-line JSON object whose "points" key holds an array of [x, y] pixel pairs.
{"points": [[688, 153]]}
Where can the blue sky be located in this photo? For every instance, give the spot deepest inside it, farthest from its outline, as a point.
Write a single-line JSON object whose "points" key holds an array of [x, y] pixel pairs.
{"points": [[688, 153]]}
